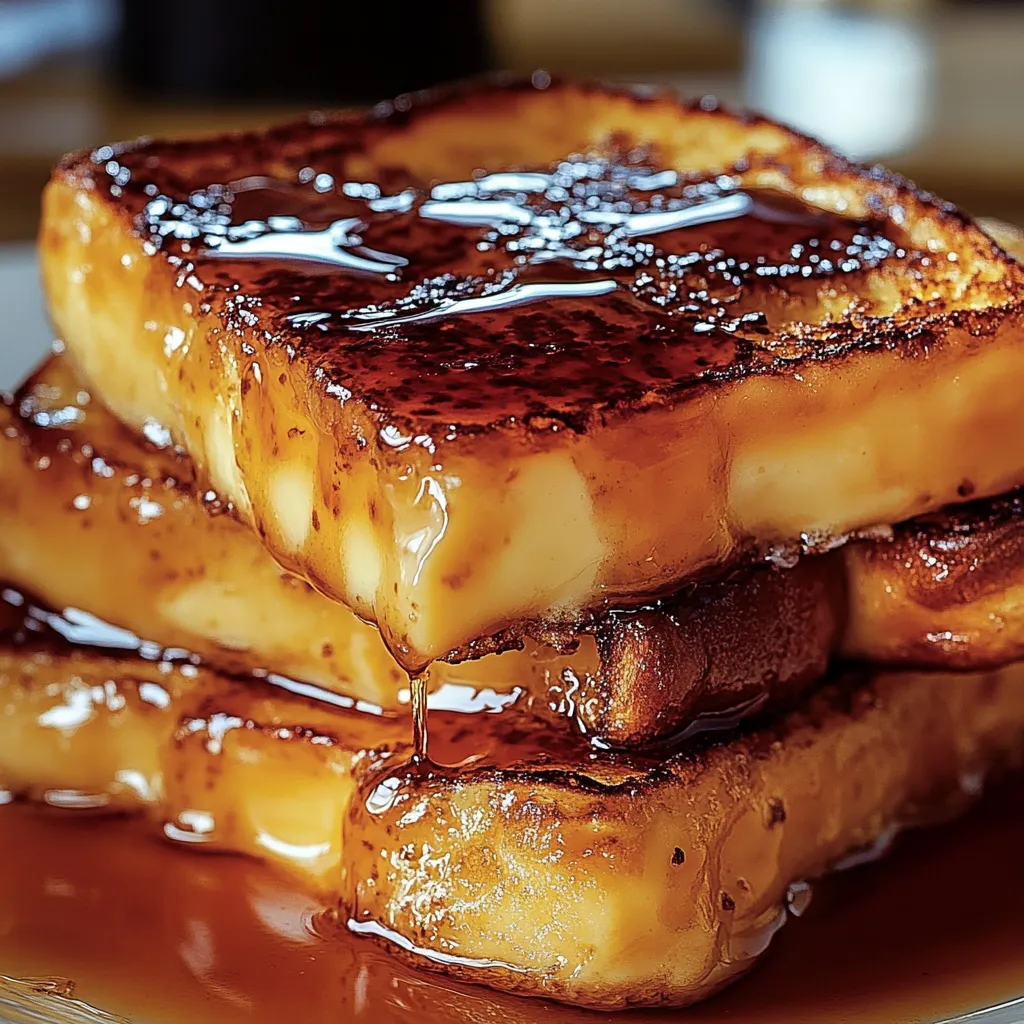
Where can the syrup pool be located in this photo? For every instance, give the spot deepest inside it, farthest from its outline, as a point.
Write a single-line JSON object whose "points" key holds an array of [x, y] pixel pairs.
{"points": [[91, 909]]}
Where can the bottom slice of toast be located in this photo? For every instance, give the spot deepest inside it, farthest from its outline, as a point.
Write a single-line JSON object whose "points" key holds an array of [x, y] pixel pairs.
{"points": [[596, 879]]}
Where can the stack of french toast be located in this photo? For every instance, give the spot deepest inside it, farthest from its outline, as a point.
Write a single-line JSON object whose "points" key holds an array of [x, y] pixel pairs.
{"points": [[555, 523]]}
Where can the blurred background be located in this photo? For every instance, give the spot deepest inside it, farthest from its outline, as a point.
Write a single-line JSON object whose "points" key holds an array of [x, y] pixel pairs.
{"points": [[930, 87]]}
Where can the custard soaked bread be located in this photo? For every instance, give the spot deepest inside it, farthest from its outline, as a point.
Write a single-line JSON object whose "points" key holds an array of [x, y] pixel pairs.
{"points": [[95, 519], [605, 882], [519, 354]]}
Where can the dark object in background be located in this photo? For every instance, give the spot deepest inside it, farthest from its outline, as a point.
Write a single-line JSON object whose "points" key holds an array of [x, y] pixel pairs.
{"points": [[312, 51]]}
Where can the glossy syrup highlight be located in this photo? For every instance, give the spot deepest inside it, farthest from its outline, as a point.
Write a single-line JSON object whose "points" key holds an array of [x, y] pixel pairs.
{"points": [[418, 701], [515, 293]]}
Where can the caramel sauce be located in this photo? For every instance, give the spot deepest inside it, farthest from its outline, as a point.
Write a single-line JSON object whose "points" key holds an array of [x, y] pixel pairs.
{"points": [[517, 294], [157, 935]]}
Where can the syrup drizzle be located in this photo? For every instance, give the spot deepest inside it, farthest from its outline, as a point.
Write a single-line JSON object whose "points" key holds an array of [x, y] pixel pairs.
{"points": [[285, 238], [594, 277], [418, 691], [476, 246]]}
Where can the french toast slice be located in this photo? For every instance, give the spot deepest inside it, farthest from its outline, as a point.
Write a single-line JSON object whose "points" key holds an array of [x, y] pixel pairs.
{"points": [[602, 880], [944, 591], [953, 582], [610, 886], [522, 351], [95, 519], [231, 766]]}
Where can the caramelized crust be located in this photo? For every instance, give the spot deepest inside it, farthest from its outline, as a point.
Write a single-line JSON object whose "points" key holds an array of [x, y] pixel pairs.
{"points": [[601, 880], [456, 402]]}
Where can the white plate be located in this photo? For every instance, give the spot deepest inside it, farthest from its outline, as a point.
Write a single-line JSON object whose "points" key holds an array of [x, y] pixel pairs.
{"points": [[24, 332]]}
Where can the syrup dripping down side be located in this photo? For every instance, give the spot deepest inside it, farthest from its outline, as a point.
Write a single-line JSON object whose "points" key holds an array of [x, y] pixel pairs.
{"points": [[418, 691]]}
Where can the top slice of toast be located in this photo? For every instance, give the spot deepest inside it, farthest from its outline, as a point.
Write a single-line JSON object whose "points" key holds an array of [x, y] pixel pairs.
{"points": [[508, 352]]}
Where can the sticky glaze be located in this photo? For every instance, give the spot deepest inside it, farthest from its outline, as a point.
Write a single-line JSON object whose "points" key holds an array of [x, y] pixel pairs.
{"points": [[556, 291]]}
